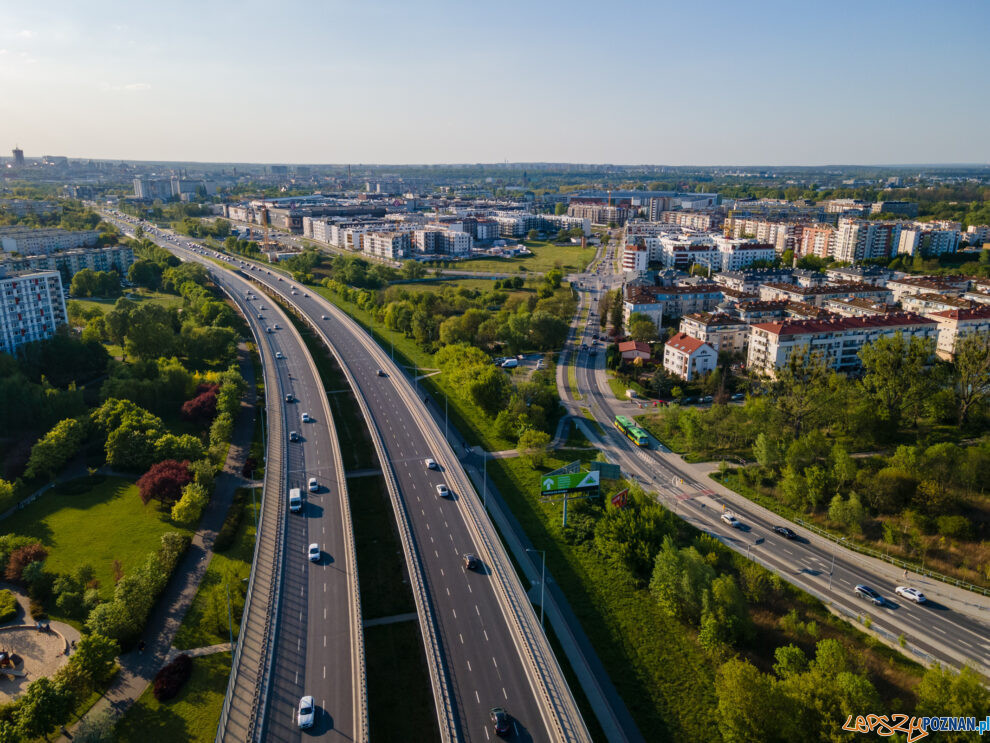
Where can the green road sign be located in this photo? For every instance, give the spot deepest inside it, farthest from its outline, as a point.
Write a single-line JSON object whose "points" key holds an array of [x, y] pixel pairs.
{"points": [[571, 483]]}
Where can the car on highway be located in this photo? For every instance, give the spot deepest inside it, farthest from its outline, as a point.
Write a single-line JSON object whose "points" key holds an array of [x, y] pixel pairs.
{"points": [[430, 464], [911, 594], [306, 418], [324, 317], [470, 561], [313, 485], [279, 355], [269, 330], [314, 552], [306, 715], [260, 316], [290, 397], [865, 592], [380, 373], [442, 490], [276, 325], [293, 436], [784, 532], [500, 721], [730, 518], [294, 293]]}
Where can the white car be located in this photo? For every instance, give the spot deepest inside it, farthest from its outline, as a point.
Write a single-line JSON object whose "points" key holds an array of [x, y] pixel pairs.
{"points": [[730, 518], [442, 490], [912, 594], [324, 317], [314, 552], [306, 418], [430, 464], [278, 355], [313, 485], [307, 713]]}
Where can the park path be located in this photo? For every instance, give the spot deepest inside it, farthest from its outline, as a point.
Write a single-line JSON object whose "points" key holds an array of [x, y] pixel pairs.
{"points": [[137, 669]]}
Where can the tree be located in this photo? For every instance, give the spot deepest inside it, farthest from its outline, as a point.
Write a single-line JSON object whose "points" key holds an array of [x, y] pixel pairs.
{"points": [[533, 447], [616, 312], [642, 328], [45, 705], [203, 407], [112, 619], [971, 373], [533, 235], [190, 506], [766, 451], [164, 482], [118, 320], [489, 389], [896, 370], [182, 448], [94, 657], [843, 466], [943, 692], [149, 333], [21, 557], [96, 728], [751, 706], [55, 448], [801, 392]]}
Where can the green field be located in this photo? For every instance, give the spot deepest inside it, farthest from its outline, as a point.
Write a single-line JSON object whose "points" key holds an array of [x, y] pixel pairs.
{"points": [[106, 523], [545, 256], [196, 631], [135, 295], [191, 717]]}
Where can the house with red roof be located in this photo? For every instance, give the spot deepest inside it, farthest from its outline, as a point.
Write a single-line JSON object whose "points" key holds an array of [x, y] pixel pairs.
{"points": [[688, 358], [956, 324], [632, 350]]}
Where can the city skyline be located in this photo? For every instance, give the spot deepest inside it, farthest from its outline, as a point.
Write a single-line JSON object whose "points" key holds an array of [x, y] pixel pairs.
{"points": [[629, 84]]}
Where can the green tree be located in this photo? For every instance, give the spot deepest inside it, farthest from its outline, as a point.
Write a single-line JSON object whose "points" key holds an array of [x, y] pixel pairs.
{"points": [[94, 657], [843, 466], [45, 705], [801, 392], [944, 692], [189, 507], [489, 389], [182, 448], [533, 447], [149, 333], [767, 453], [751, 707], [971, 374], [896, 372], [616, 311], [55, 448], [642, 328], [145, 273]]}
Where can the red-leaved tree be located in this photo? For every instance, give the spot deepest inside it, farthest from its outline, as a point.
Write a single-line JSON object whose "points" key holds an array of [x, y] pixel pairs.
{"points": [[164, 482], [203, 407], [21, 557]]}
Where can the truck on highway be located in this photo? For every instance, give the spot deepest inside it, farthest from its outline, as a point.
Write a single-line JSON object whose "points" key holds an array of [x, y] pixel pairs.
{"points": [[295, 500]]}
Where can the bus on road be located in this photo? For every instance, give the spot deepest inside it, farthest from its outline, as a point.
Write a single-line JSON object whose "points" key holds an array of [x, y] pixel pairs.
{"points": [[635, 434]]}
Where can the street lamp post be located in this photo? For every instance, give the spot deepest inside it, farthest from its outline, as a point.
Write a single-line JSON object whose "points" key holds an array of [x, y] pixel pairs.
{"points": [[832, 569], [484, 479], [543, 580]]}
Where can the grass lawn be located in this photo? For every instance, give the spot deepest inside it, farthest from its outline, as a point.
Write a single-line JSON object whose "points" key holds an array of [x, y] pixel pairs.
{"points": [[655, 663], [545, 256], [106, 523], [191, 717], [594, 421], [618, 387], [196, 631], [136, 295]]}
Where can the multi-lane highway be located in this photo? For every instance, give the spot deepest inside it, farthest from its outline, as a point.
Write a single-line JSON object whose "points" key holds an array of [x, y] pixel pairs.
{"points": [[953, 626], [482, 638], [317, 649]]}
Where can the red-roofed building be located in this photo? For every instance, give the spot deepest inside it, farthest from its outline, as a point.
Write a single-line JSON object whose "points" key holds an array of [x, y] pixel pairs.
{"points": [[632, 350], [837, 340], [688, 358], [955, 324]]}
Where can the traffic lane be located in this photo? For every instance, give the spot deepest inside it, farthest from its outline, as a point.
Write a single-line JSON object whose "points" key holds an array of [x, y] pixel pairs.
{"points": [[487, 663], [969, 632]]}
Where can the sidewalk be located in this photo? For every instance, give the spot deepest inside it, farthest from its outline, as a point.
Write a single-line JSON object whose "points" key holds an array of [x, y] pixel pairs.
{"points": [[138, 669]]}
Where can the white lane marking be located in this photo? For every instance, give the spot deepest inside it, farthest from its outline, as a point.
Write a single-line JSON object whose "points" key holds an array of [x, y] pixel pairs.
{"points": [[441, 571], [324, 612], [469, 665], [469, 588], [436, 554], [486, 635], [302, 590], [478, 699], [477, 610], [448, 591], [494, 661], [324, 671], [462, 637], [454, 612], [504, 694], [299, 644], [324, 640], [324, 588], [300, 615]]}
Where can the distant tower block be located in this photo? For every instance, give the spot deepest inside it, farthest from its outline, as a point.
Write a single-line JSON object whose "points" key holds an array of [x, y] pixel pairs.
{"points": [[18, 157]]}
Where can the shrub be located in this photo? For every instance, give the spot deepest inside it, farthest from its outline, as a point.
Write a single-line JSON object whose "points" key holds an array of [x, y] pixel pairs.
{"points": [[22, 557], [169, 680], [8, 606], [225, 537], [164, 481], [37, 610], [190, 506], [955, 527], [203, 407]]}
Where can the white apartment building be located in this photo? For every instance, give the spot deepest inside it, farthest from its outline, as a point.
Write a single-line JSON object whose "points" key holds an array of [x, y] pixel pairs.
{"points": [[838, 340], [32, 306], [908, 285], [635, 258], [721, 331], [434, 241], [956, 324], [818, 295], [928, 302], [923, 239], [28, 241], [859, 239], [392, 246], [817, 240], [70, 262], [688, 358], [672, 301], [782, 235], [737, 254], [977, 234]]}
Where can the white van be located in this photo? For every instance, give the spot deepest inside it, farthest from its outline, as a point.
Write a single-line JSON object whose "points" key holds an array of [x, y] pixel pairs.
{"points": [[295, 500], [510, 364]]}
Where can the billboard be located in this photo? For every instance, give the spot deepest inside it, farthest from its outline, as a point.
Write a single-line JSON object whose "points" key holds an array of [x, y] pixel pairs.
{"points": [[570, 483]]}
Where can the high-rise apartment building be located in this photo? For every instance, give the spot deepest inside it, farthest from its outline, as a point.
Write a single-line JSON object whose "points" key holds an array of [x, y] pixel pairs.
{"points": [[860, 239], [18, 157], [32, 306]]}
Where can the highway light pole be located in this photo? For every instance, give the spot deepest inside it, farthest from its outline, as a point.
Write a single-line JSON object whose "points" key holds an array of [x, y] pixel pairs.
{"points": [[832, 569], [543, 580], [484, 479]]}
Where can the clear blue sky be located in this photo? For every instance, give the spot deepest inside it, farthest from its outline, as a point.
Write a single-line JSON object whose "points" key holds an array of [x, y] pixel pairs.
{"points": [[329, 81]]}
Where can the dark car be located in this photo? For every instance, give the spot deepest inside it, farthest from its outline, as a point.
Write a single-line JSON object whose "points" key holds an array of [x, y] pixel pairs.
{"points": [[785, 532], [868, 593], [470, 561], [293, 436], [500, 721], [381, 373]]}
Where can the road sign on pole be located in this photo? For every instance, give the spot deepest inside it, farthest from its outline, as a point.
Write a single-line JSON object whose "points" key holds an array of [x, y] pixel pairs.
{"points": [[619, 500]]}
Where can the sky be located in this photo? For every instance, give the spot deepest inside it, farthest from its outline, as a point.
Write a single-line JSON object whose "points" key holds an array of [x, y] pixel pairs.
{"points": [[695, 82]]}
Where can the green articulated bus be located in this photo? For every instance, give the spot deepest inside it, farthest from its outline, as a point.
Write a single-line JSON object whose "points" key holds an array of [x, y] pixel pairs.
{"points": [[636, 434]]}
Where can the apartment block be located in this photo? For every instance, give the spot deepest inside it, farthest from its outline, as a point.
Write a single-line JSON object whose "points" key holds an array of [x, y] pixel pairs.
{"points": [[23, 207], [818, 295], [635, 258], [874, 275], [392, 246], [721, 331], [702, 221], [817, 240], [860, 239], [32, 306], [928, 302], [70, 262], [749, 280], [922, 239], [658, 302], [28, 241], [858, 307], [735, 255], [837, 340], [977, 234], [956, 324], [598, 213], [908, 285], [688, 358], [900, 208], [150, 189]]}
